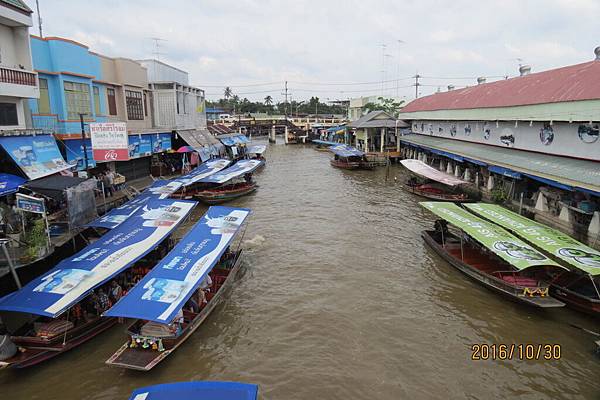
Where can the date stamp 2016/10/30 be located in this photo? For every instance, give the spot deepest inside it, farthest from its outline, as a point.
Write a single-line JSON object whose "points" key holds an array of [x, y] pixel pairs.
{"points": [[523, 351]]}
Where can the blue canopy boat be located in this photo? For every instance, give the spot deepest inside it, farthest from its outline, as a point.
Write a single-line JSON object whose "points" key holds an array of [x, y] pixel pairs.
{"points": [[324, 145], [230, 183], [197, 391], [347, 157], [56, 295], [165, 318]]}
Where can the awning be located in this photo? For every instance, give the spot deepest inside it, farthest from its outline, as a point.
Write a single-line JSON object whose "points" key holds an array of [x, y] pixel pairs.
{"points": [[504, 172], [550, 182], [508, 247], [233, 139], [53, 186], [10, 183], [37, 156], [424, 170], [197, 391], [202, 171], [580, 174], [346, 151], [256, 149], [569, 250], [117, 215], [73, 278], [165, 289], [240, 168]]}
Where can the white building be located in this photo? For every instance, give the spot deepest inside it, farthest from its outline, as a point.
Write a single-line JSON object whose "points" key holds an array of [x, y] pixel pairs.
{"points": [[357, 108], [175, 103], [18, 82]]}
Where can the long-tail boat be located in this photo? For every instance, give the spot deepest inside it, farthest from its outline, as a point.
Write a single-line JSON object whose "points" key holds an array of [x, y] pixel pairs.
{"points": [[256, 151], [228, 184], [432, 184], [323, 145], [347, 157], [197, 390], [160, 300], [492, 256], [57, 297], [579, 287]]}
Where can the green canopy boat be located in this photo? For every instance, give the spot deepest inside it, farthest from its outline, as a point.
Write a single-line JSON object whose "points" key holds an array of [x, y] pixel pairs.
{"points": [[492, 256], [579, 288]]}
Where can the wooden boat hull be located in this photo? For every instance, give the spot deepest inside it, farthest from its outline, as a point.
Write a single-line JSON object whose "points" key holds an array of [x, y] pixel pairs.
{"points": [[576, 301], [38, 352], [222, 196], [439, 196], [127, 357], [345, 164], [489, 281]]}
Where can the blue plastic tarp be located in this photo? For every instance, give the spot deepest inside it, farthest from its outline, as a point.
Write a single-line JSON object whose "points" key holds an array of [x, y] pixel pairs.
{"points": [[37, 156], [346, 151], [164, 291], [74, 277], [10, 183], [240, 168], [197, 391]]}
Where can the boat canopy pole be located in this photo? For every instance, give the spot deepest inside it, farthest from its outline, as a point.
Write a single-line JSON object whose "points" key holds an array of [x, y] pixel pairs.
{"points": [[594, 283], [462, 255]]}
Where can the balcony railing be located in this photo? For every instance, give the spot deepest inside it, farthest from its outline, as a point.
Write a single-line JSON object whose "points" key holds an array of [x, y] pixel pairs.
{"points": [[17, 77]]}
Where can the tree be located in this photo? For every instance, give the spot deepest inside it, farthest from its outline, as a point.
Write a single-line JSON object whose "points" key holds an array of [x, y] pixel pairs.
{"points": [[390, 106], [227, 93], [268, 100]]}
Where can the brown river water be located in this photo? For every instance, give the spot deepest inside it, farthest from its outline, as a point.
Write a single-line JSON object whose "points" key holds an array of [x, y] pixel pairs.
{"points": [[340, 299]]}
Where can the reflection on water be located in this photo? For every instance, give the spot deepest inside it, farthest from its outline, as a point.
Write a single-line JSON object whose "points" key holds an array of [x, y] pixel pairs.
{"points": [[340, 298]]}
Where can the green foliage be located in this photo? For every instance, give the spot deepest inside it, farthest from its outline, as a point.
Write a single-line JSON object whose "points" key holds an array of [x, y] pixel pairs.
{"points": [[499, 195], [36, 238], [390, 106]]}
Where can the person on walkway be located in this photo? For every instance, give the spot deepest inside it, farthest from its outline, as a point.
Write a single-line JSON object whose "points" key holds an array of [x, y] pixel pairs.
{"points": [[111, 181], [107, 189]]}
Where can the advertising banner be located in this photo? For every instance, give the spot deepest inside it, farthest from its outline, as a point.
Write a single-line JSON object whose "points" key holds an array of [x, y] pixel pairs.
{"points": [[161, 142], [109, 141], [140, 146], [163, 292], [37, 156], [75, 154], [71, 280]]}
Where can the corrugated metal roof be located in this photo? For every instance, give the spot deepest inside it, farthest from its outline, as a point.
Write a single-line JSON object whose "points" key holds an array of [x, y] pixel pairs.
{"points": [[18, 4], [571, 83], [569, 171], [376, 119]]}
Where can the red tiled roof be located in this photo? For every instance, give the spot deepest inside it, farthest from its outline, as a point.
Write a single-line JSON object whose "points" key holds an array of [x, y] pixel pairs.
{"points": [[575, 82]]}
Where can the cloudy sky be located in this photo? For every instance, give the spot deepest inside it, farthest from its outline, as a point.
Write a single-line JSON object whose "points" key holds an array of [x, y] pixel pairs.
{"points": [[333, 48]]}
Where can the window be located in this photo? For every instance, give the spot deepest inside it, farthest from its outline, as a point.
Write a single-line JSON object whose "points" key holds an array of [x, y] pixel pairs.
{"points": [[8, 114], [135, 105], [112, 102], [77, 96], [96, 99], [44, 100]]}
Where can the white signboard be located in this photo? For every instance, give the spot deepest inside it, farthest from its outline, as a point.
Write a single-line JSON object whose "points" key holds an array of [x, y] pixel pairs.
{"points": [[109, 141]]}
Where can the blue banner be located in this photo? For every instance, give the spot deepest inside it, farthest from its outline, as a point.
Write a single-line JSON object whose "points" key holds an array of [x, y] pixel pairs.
{"points": [[117, 215], [73, 278], [161, 142], [10, 183], [37, 156], [140, 146], [74, 151], [163, 291], [30, 203], [240, 168], [197, 390]]}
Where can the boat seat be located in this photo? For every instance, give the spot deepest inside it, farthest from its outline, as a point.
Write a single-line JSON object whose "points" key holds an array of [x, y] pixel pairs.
{"points": [[520, 280]]}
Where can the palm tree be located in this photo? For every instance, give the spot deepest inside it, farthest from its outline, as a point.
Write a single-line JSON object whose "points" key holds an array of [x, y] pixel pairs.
{"points": [[268, 100], [227, 92]]}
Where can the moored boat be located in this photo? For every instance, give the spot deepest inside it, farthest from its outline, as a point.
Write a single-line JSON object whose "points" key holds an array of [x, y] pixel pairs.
{"points": [[228, 184], [433, 184], [173, 300], [197, 390], [256, 151], [67, 308], [346, 157], [492, 256], [579, 287], [323, 145]]}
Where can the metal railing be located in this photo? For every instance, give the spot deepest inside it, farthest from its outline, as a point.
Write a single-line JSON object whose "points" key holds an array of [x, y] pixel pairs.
{"points": [[17, 76]]}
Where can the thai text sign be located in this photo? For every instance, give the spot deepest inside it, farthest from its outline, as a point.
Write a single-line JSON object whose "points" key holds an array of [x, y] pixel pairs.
{"points": [[30, 203], [109, 141]]}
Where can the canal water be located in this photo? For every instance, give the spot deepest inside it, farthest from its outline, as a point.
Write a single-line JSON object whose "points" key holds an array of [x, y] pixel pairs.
{"points": [[341, 299]]}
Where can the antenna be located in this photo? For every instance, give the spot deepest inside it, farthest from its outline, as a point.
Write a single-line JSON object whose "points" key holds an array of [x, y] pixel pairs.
{"points": [[37, 6], [156, 53]]}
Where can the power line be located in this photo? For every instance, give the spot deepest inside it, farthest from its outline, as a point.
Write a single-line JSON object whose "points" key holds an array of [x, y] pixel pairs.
{"points": [[238, 86]]}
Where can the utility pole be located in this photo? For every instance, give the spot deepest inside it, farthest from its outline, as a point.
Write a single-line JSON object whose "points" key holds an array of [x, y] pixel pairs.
{"points": [[85, 155], [37, 6], [286, 101], [417, 84]]}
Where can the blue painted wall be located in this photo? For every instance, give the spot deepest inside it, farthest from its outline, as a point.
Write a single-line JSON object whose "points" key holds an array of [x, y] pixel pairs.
{"points": [[63, 59]]}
